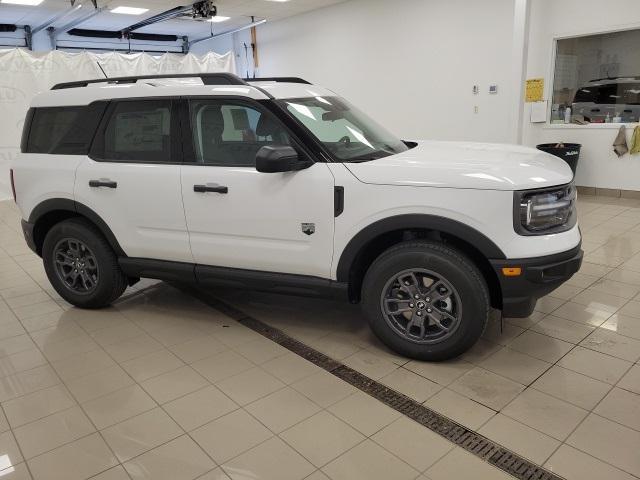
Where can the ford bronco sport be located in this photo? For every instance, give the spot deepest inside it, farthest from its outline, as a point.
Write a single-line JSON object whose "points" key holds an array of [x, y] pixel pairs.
{"points": [[282, 186]]}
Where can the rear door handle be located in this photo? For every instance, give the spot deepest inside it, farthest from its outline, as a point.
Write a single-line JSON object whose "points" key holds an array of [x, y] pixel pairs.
{"points": [[210, 188], [103, 183]]}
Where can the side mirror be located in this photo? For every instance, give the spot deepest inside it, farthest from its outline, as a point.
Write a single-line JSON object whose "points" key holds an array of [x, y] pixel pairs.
{"points": [[279, 158]]}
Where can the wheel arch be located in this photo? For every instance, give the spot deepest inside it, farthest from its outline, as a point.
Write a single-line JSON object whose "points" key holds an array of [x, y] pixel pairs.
{"points": [[374, 239], [52, 211]]}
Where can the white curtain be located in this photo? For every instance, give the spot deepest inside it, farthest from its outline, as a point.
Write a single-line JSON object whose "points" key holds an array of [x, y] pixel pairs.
{"points": [[23, 74]]}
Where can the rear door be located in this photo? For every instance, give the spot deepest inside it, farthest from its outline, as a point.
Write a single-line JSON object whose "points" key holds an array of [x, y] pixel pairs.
{"points": [[131, 178]]}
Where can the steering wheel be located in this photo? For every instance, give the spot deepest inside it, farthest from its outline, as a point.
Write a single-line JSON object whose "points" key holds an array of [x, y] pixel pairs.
{"points": [[346, 140]]}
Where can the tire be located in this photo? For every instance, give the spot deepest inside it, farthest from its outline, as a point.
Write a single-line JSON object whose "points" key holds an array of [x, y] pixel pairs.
{"points": [[461, 316], [107, 283]]}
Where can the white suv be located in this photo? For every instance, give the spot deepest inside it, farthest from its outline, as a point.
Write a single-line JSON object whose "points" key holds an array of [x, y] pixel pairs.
{"points": [[282, 186]]}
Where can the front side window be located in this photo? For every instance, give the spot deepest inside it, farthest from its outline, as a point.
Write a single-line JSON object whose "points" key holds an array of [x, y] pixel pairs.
{"points": [[345, 131], [229, 133], [139, 131], [596, 76]]}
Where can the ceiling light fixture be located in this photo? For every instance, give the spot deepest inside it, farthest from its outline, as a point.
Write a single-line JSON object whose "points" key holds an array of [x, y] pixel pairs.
{"points": [[31, 3], [218, 19], [129, 10]]}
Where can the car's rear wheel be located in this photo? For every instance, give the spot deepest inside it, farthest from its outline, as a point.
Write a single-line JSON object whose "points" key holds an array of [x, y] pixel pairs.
{"points": [[425, 300], [81, 265]]}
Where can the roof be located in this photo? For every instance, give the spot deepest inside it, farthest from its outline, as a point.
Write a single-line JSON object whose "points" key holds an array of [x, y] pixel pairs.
{"points": [[614, 80], [87, 91]]}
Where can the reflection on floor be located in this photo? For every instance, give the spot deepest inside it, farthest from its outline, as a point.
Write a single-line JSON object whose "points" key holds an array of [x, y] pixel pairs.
{"points": [[163, 387]]}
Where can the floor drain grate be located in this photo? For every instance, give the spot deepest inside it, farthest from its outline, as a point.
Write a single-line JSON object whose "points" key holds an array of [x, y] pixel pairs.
{"points": [[472, 442]]}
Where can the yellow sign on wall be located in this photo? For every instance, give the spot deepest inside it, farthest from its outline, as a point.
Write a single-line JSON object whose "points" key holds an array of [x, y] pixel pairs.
{"points": [[535, 90]]}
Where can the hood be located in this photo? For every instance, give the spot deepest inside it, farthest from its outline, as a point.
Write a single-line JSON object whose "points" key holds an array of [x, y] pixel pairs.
{"points": [[482, 166]]}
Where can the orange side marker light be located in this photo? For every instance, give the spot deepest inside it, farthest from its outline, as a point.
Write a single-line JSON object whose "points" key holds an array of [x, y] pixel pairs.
{"points": [[511, 271]]}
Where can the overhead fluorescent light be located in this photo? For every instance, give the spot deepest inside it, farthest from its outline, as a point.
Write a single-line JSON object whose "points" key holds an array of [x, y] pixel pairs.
{"points": [[130, 10], [31, 3], [218, 19]]}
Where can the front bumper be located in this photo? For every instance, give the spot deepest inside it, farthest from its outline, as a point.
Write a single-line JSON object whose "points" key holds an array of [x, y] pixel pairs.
{"points": [[27, 231], [539, 277]]}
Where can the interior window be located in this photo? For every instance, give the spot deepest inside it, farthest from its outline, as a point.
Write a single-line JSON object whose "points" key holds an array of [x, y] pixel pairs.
{"points": [[230, 134], [139, 131], [596, 78]]}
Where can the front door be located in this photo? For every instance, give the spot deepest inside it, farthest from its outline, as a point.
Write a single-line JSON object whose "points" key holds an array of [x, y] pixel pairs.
{"points": [[272, 222], [132, 179]]}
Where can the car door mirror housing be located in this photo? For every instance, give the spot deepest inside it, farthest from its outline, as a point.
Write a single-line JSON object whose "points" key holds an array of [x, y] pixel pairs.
{"points": [[279, 158]]}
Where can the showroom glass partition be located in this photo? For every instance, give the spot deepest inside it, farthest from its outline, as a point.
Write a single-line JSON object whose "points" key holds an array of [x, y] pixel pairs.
{"points": [[598, 78]]}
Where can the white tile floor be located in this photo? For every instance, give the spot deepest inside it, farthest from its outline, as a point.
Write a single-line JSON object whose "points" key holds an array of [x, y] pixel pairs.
{"points": [[163, 387]]}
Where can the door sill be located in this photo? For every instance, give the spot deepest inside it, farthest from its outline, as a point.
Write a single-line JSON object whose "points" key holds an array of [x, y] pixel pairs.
{"points": [[205, 275]]}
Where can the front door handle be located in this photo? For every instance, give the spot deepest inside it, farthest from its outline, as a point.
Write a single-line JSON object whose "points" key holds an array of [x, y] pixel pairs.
{"points": [[210, 188], [103, 183]]}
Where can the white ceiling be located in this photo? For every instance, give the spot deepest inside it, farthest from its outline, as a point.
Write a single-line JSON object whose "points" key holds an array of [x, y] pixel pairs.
{"points": [[240, 12]]}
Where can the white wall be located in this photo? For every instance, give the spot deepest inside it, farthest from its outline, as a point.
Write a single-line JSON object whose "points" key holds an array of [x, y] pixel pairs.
{"points": [[411, 64], [219, 45], [598, 165]]}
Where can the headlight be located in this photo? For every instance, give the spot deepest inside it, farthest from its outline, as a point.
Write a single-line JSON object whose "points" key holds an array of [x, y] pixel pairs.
{"points": [[543, 211]]}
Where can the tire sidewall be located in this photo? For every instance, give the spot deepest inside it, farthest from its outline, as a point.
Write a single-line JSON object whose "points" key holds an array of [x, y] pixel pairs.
{"points": [[457, 270]]}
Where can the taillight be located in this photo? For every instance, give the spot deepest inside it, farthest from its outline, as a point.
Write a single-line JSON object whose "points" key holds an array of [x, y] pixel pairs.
{"points": [[13, 186]]}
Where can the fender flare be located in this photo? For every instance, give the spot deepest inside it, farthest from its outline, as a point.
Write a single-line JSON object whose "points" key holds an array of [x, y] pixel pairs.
{"points": [[414, 221], [68, 205]]}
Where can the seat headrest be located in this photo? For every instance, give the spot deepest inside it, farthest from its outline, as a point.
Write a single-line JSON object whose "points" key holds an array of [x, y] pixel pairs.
{"points": [[267, 125], [212, 121]]}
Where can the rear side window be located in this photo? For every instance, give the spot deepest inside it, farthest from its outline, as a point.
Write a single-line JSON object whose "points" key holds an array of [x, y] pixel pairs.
{"points": [[49, 126], [137, 131], [61, 130], [623, 93]]}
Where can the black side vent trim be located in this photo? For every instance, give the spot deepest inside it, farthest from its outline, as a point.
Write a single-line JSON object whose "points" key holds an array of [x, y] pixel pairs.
{"points": [[338, 201]]}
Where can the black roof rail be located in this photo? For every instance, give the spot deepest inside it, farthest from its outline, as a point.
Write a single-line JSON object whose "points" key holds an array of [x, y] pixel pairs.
{"points": [[278, 79], [207, 79]]}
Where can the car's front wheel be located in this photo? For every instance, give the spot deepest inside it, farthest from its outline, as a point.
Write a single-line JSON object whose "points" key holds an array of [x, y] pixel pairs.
{"points": [[425, 300], [81, 265]]}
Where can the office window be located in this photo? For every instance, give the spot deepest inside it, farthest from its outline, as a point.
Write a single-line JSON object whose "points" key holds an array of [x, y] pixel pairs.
{"points": [[598, 77]]}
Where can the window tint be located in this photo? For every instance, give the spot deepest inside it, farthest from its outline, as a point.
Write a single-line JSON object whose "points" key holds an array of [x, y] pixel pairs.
{"points": [[49, 126], [231, 133], [139, 131]]}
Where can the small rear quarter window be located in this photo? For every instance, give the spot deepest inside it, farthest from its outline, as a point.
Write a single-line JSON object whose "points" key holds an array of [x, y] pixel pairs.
{"points": [[49, 126]]}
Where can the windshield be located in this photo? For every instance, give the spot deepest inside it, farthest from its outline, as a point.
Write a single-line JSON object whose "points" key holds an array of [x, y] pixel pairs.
{"points": [[345, 131]]}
